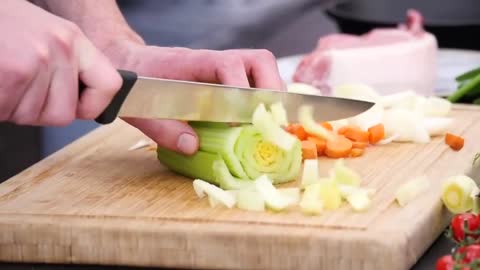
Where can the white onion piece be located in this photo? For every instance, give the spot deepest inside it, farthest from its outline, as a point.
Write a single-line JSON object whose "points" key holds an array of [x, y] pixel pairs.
{"points": [[437, 126], [407, 125], [140, 144], [369, 118], [435, 106], [357, 91], [398, 99], [337, 124]]}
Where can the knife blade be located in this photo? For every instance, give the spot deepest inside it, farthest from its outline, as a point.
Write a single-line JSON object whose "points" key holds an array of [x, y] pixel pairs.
{"points": [[153, 98]]}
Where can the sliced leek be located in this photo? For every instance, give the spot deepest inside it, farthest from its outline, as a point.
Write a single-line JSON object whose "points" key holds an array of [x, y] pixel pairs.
{"points": [[456, 193], [279, 114], [305, 117], [273, 199], [360, 201], [217, 194], [233, 157], [330, 195], [411, 190], [310, 172], [250, 200], [311, 203], [344, 175]]}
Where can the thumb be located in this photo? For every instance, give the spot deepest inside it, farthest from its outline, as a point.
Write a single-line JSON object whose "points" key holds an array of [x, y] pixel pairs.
{"points": [[171, 134]]}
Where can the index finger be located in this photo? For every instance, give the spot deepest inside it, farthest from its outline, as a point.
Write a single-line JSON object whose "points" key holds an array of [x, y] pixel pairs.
{"points": [[261, 66]]}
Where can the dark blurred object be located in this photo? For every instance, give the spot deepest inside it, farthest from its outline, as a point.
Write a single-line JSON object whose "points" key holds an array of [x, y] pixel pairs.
{"points": [[455, 23], [20, 147]]}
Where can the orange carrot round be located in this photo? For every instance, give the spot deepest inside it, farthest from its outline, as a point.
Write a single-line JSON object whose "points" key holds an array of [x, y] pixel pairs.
{"points": [[319, 143], [376, 133], [309, 150], [327, 125], [356, 152], [356, 134], [338, 147], [359, 145], [455, 142]]}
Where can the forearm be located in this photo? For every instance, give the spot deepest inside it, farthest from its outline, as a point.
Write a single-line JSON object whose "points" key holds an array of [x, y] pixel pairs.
{"points": [[101, 21]]}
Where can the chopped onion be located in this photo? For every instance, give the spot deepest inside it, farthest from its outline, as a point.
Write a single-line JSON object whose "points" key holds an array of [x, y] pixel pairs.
{"points": [[388, 140], [436, 126], [369, 118], [359, 201], [401, 99], [356, 91], [436, 106], [408, 126]]}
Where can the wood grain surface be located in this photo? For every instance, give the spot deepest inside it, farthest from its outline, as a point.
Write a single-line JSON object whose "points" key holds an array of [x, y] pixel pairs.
{"points": [[95, 202]]}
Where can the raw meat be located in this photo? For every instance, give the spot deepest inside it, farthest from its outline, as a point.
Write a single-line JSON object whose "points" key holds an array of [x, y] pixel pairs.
{"points": [[388, 59]]}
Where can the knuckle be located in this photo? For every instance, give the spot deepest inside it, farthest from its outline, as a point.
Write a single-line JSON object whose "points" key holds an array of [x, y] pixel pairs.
{"points": [[266, 54], [20, 73], [64, 38]]}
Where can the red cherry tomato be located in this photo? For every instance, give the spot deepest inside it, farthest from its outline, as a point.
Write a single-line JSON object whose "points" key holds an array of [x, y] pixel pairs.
{"points": [[457, 225], [469, 253], [445, 263]]}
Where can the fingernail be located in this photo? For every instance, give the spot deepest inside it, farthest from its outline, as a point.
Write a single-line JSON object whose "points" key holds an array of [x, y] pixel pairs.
{"points": [[187, 143]]}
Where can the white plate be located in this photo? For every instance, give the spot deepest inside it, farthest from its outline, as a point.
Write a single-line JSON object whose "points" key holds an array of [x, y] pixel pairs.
{"points": [[451, 63]]}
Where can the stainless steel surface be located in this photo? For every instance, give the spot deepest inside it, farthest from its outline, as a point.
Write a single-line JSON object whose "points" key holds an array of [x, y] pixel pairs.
{"points": [[169, 99]]}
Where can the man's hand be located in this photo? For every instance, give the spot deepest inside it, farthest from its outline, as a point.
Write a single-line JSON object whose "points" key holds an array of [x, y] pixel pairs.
{"points": [[42, 57], [243, 68]]}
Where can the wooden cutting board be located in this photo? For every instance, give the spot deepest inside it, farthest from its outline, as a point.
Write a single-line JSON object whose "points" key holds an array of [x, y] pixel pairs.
{"points": [[95, 202]]}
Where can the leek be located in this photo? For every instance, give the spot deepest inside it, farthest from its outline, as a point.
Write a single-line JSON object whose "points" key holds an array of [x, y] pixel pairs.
{"points": [[279, 114], [250, 200], [344, 175], [233, 157], [305, 117], [456, 193], [310, 172], [216, 194], [360, 201], [311, 204], [273, 198], [412, 189]]}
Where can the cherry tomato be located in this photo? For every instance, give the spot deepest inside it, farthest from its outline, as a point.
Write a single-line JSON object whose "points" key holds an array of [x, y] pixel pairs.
{"points": [[469, 253], [457, 225], [445, 263]]}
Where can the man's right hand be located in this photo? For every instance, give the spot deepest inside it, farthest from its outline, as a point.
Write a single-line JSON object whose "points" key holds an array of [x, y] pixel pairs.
{"points": [[42, 59]]}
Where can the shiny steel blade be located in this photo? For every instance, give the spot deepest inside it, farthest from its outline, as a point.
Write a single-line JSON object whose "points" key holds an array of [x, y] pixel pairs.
{"points": [[192, 101]]}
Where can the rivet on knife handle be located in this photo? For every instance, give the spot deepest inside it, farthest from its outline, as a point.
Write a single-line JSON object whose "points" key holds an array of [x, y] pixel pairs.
{"points": [[110, 113]]}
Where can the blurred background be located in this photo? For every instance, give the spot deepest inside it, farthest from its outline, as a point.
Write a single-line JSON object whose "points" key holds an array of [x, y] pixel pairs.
{"points": [[285, 27]]}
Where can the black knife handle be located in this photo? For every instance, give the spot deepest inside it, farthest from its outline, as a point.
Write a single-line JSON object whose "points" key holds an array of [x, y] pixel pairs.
{"points": [[110, 113]]}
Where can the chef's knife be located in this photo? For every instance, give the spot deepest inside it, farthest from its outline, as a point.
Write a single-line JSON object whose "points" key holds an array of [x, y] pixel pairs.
{"points": [[153, 98]]}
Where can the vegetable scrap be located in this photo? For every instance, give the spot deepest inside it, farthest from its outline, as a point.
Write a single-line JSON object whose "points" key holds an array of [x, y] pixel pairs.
{"points": [[455, 142]]}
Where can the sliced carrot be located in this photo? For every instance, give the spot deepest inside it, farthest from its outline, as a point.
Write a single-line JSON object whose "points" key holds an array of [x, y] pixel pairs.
{"points": [[356, 152], [455, 142], [342, 130], [327, 125], [319, 143], [309, 150], [298, 131], [359, 145], [338, 147], [356, 134], [376, 133]]}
